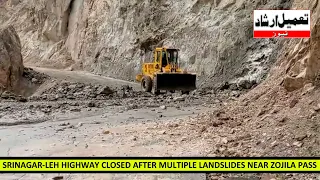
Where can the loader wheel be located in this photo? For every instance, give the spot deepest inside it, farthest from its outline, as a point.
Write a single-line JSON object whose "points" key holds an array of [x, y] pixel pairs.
{"points": [[146, 84], [155, 88]]}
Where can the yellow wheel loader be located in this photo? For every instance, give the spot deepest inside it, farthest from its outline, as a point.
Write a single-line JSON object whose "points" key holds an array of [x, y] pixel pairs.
{"points": [[164, 73]]}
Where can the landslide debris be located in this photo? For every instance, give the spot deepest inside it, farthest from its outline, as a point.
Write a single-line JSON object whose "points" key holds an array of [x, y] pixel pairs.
{"points": [[34, 76], [69, 90], [56, 98]]}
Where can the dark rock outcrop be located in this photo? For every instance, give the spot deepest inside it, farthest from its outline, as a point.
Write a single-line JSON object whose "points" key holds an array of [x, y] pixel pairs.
{"points": [[11, 64]]}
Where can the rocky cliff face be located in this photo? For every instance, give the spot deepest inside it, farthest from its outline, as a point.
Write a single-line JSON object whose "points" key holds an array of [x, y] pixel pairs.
{"points": [[11, 65], [301, 60], [112, 37]]}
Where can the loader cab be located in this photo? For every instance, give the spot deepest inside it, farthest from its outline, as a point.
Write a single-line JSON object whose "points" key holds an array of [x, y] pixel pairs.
{"points": [[172, 56], [165, 57]]}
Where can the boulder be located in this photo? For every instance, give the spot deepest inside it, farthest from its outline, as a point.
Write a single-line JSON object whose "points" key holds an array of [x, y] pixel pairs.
{"points": [[246, 84], [105, 90], [11, 64]]}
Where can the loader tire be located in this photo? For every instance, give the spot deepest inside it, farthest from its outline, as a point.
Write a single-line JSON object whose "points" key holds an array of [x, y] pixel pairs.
{"points": [[146, 84], [155, 88]]}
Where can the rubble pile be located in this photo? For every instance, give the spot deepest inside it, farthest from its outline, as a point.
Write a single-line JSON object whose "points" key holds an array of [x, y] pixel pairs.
{"points": [[74, 90], [34, 76]]}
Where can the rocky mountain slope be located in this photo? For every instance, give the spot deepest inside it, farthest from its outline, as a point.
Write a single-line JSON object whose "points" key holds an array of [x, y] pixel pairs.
{"points": [[112, 37]]}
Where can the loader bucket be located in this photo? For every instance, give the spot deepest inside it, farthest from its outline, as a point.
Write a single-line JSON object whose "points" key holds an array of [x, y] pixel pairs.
{"points": [[176, 82]]}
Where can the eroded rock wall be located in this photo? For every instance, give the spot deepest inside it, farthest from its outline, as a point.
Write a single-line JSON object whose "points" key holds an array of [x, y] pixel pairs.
{"points": [[301, 57], [111, 37]]}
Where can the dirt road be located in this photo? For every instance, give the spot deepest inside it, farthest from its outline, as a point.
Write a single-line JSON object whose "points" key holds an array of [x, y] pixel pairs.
{"points": [[85, 77], [114, 128]]}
